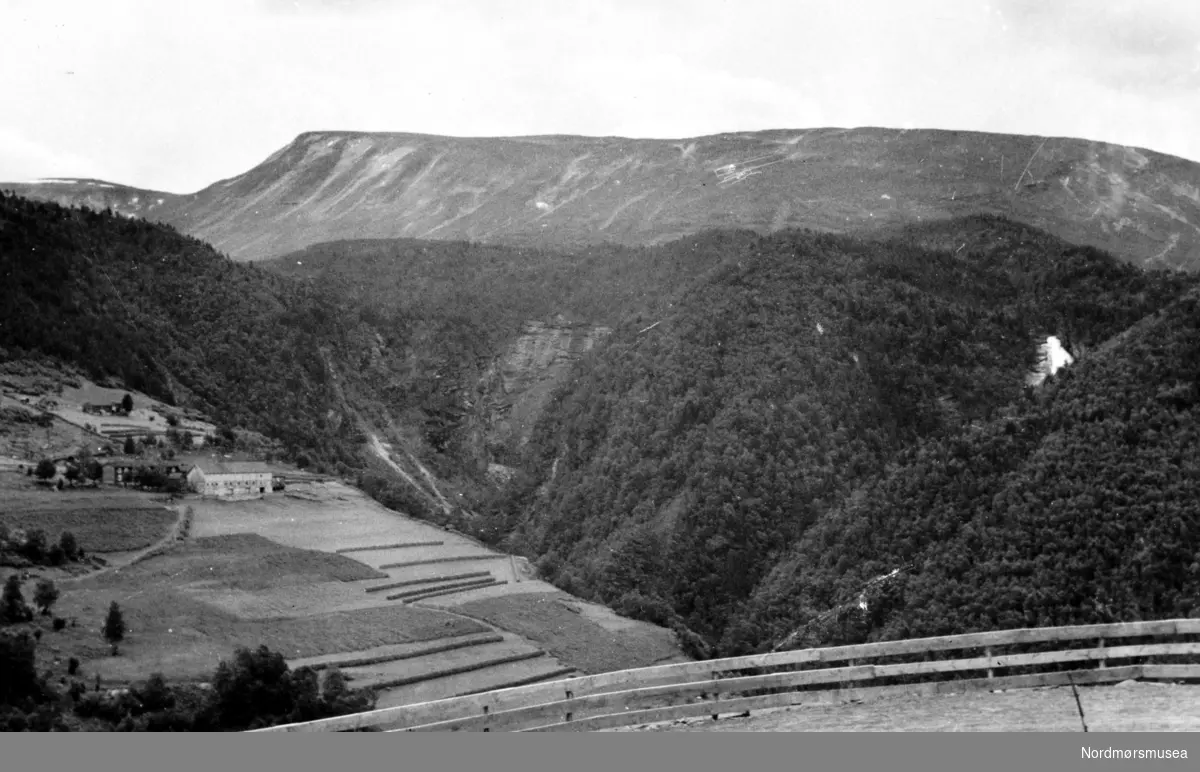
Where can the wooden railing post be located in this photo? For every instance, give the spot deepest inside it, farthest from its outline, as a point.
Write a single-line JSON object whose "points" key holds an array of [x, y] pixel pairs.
{"points": [[987, 652], [1103, 660]]}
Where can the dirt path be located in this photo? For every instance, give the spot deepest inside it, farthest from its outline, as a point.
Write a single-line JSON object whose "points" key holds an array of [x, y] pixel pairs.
{"points": [[1126, 707]]}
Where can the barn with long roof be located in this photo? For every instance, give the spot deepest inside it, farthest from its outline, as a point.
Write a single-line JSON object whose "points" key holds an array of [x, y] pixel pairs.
{"points": [[210, 477]]}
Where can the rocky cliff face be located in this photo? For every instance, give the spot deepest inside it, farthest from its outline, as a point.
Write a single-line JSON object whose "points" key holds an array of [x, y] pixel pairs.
{"points": [[567, 191], [517, 386]]}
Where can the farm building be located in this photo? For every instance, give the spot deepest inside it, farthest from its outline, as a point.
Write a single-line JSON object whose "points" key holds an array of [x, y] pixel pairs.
{"points": [[124, 471], [230, 478]]}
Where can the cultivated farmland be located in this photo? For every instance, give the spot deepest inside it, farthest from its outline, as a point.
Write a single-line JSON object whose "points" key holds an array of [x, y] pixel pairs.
{"points": [[326, 575]]}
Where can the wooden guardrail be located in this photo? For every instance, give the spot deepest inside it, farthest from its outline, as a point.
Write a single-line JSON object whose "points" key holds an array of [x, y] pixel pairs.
{"points": [[1004, 659]]}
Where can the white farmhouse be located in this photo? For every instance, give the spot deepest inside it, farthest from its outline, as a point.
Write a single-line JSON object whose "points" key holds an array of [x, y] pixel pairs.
{"points": [[230, 478]]}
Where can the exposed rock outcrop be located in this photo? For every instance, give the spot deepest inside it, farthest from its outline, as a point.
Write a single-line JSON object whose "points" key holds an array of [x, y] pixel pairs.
{"points": [[517, 386]]}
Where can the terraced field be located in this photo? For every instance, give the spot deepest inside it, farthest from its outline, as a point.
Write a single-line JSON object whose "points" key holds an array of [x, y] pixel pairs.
{"points": [[502, 627]]}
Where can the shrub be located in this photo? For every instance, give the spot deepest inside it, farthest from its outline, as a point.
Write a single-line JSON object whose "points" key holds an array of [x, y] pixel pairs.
{"points": [[155, 695], [72, 665], [55, 555], [12, 601], [114, 625], [45, 594], [103, 707], [35, 544], [59, 624], [70, 546], [46, 469]]}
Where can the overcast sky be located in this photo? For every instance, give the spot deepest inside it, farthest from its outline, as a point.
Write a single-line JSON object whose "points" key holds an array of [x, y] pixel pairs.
{"points": [[175, 96]]}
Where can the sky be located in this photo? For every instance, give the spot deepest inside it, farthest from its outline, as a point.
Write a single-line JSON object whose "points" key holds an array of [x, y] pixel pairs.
{"points": [[174, 96]]}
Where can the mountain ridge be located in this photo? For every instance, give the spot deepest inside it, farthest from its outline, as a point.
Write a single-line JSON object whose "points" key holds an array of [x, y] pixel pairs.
{"points": [[565, 191]]}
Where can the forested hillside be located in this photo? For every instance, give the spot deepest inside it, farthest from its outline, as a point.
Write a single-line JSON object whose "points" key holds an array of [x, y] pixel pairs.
{"points": [[683, 463], [496, 288], [167, 315], [453, 307], [1077, 507]]}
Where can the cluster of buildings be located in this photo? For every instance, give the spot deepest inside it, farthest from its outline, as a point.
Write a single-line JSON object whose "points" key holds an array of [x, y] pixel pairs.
{"points": [[208, 477]]}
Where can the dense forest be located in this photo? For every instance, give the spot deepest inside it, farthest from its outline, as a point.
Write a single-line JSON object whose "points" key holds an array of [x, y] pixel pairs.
{"points": [[495, 288], [460, 304], [167, 315], [1076, 507], [679, 469]]}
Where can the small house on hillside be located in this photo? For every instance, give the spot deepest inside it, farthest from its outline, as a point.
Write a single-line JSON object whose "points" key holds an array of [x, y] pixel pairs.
{"points": [[230, 478]]}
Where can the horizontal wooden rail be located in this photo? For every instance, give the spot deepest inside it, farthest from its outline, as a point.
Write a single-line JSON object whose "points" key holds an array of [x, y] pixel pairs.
{"points": [[629, 694], [668, 695], [533, 679], [742, 705]]}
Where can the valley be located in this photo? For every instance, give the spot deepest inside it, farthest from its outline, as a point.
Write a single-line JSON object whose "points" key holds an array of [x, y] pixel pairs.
{"points": [[692, 417]]}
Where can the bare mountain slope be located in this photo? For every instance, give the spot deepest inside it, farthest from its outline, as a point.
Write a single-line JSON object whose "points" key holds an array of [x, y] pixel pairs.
{"points": [[560, 191]]}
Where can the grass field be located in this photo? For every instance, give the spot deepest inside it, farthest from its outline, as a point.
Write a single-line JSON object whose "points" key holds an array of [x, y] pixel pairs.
{"points": [[1128, 707], [571, 636], [325, 516], [238, 561], [20, 494], [181, 622], [117, 529]]}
